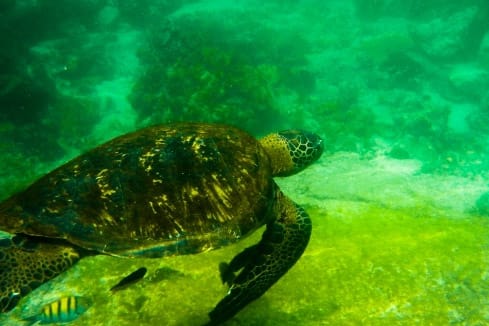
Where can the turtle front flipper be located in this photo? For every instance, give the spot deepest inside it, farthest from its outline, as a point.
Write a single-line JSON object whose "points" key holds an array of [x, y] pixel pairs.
{"points": [[26, 263], [263, 264]]}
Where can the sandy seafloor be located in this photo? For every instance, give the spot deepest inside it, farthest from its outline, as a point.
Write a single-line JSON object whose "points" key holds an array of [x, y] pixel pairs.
{"points": [[389, 247], [391, 244]]}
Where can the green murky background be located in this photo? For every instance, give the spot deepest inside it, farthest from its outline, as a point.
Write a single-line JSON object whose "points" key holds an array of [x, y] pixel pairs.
{"points": [[398, 89]]}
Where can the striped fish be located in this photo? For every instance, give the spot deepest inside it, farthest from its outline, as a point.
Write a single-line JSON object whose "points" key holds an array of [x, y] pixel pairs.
{"points": [[62, 310]]}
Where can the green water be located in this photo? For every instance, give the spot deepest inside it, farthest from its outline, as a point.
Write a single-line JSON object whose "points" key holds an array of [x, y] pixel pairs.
{"points": [[398, 90]]}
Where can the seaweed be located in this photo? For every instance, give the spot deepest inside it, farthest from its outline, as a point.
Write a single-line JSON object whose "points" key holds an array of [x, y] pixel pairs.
{"points": [[202, 69], [346, 124]]}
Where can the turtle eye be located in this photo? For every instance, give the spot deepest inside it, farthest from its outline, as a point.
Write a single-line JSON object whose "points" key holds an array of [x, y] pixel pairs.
{"points": [[304, 147]]}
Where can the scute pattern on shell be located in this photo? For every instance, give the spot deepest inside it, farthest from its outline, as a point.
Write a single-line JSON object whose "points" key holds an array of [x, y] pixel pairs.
{"points": [[178, 188]]}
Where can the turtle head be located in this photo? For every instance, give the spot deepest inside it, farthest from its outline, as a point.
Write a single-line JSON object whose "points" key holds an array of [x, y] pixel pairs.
{"points": [[291, 151]]}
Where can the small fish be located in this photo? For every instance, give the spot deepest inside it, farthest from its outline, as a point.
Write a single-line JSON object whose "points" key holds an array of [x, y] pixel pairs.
{"points": [[129, 279], [63, 310]]}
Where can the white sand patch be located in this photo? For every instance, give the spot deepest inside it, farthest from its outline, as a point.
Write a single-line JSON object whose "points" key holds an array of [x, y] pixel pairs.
{"points": [[382, 181]]}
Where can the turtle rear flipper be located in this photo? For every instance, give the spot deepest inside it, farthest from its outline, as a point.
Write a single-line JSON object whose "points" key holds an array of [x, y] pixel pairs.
{"points": [[26, 263], [263, 264]]}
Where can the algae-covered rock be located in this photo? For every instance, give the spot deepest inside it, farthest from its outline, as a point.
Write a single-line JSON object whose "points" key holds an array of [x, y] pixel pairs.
{"points": [[470, 80], [399, 152], [456, 34], [482, 204], [203, 68], [483, 57]]}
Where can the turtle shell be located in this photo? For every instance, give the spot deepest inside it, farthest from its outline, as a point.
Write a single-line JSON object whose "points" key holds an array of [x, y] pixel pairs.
{"points": [[169, 189]]}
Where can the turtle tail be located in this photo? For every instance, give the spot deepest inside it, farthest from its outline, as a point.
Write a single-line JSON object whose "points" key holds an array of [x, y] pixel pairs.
{"points": [[26, 263]]}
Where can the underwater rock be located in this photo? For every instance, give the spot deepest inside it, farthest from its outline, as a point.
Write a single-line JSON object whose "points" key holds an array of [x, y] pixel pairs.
{"points": [[204, 69], [482, 204], [108, 15], [478, 120], [26, 91], [22, 99], [402, 70], [381, 46], [373, 9], [164, 273], [469, 80], [399, 152], [450, 37], [483, 56]]}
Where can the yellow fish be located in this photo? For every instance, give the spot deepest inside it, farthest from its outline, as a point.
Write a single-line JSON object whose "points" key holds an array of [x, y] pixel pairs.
{"points": [[62, 310]]}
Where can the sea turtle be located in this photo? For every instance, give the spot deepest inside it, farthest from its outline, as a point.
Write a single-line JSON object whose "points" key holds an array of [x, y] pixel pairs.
{"points": [[165, 190]]}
